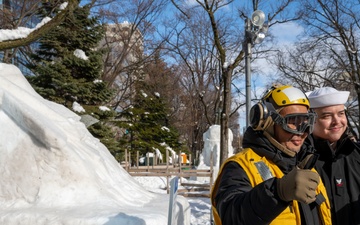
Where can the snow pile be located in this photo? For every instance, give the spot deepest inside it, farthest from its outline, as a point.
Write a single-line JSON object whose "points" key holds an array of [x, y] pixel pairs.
{"points": [[53, 171]]}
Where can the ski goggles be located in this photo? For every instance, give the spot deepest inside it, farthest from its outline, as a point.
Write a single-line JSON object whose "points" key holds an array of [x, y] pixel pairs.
{"points": [[297, 123]]}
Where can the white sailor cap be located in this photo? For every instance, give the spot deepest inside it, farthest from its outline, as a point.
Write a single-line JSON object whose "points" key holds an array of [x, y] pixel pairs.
{"points": [[327, 96]]}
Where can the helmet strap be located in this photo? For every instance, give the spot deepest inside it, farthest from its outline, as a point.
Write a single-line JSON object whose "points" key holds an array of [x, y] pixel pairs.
{"points": [[269, 123], [268, 131], [278, 145]]}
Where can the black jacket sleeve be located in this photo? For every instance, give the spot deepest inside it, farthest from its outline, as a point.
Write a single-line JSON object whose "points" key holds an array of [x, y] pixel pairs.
{"points": [[238, 203]]}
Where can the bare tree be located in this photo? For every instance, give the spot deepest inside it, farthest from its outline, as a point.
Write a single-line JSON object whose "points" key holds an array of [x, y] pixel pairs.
{"points": [[130, 34], [192, 49], [328, 54], [220, 42]]}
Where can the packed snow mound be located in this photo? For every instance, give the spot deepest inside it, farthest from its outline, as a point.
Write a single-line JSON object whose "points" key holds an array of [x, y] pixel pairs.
{"points": [[53, 171]]}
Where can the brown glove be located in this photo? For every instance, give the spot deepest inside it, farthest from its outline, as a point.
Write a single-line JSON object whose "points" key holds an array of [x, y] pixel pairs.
{"points": [[298, 185]]}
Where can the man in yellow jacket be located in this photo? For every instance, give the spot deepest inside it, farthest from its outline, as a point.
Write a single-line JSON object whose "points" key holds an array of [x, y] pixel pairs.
{"points": [[272, 181]]}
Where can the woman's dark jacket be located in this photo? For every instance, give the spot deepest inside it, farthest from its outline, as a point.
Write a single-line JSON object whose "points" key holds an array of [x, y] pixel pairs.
{"points": [[237, 202], [340, 173]]}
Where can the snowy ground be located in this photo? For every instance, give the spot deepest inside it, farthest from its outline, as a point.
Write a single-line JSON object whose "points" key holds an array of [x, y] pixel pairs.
{"points": [[200, 207], [54, 171]]}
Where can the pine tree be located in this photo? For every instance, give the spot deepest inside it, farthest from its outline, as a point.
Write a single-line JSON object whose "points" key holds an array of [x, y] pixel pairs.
{"points": [[64, 75], [146, 123], [68, 67]]}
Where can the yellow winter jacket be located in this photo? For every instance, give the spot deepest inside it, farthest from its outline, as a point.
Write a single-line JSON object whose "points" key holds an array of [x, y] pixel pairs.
{"points": [[247, 159]]}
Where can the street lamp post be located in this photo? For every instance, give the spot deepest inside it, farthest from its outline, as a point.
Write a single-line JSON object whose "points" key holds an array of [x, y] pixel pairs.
{"points": [[247, 47], [255, 31]]}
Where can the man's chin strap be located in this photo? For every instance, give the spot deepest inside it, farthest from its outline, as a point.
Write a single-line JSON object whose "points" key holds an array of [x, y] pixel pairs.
{"points": [[268, 131], [278, 145]]}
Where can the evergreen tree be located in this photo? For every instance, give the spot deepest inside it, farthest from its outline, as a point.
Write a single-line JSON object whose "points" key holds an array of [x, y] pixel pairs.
{"points": [[68, 67], [146, 123]]}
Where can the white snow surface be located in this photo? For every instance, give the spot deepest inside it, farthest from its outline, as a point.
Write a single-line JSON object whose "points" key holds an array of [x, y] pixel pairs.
{"points": [[53, 171], [80, 54], [20, 32]]}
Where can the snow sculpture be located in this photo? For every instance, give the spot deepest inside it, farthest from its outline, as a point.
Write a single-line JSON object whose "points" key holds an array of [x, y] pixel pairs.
{"points": [[53, 171], [211, 140]]}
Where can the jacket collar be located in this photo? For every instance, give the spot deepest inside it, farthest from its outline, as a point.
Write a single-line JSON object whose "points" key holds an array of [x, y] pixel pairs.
{"points": [[262, 146]]}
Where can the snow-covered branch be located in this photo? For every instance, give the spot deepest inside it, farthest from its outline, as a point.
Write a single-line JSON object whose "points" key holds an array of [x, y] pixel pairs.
{"points": [[16, 41]]}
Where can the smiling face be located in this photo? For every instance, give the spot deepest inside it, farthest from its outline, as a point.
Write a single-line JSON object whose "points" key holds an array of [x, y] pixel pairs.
{"points": [[331, 122], [293, 142]]}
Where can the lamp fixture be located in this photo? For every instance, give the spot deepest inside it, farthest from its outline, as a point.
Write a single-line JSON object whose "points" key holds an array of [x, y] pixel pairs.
{"points": [[255, 32], [260, 35], [258, 18]]}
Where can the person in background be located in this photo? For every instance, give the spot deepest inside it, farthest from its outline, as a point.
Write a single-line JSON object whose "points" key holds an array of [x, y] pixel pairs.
{"points": [[339, 155], [271, 180]]}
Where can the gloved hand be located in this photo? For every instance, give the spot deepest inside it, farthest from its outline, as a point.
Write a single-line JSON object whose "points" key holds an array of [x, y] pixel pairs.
{"points": [[298, 185]]}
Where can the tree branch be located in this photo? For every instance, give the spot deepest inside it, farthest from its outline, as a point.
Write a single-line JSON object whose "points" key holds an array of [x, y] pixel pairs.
{"points": [[36, 34]]}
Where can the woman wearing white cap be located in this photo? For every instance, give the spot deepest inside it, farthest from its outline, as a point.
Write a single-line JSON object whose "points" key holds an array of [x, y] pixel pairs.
{"points": [[339, 156]]}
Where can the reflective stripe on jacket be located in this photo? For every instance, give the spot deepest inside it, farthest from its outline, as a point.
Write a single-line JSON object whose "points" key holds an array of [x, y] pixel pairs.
{"points": [[256, 168]]}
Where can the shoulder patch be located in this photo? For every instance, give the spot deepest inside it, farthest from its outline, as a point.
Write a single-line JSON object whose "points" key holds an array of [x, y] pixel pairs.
{"points": [[263, 170]]}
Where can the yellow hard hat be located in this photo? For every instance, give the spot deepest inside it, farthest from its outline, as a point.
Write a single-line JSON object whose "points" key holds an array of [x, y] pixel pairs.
{"points": [[286, 95]]}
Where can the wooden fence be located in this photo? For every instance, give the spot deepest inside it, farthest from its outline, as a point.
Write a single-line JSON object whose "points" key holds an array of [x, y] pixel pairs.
{"points": [[177, 168]]}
